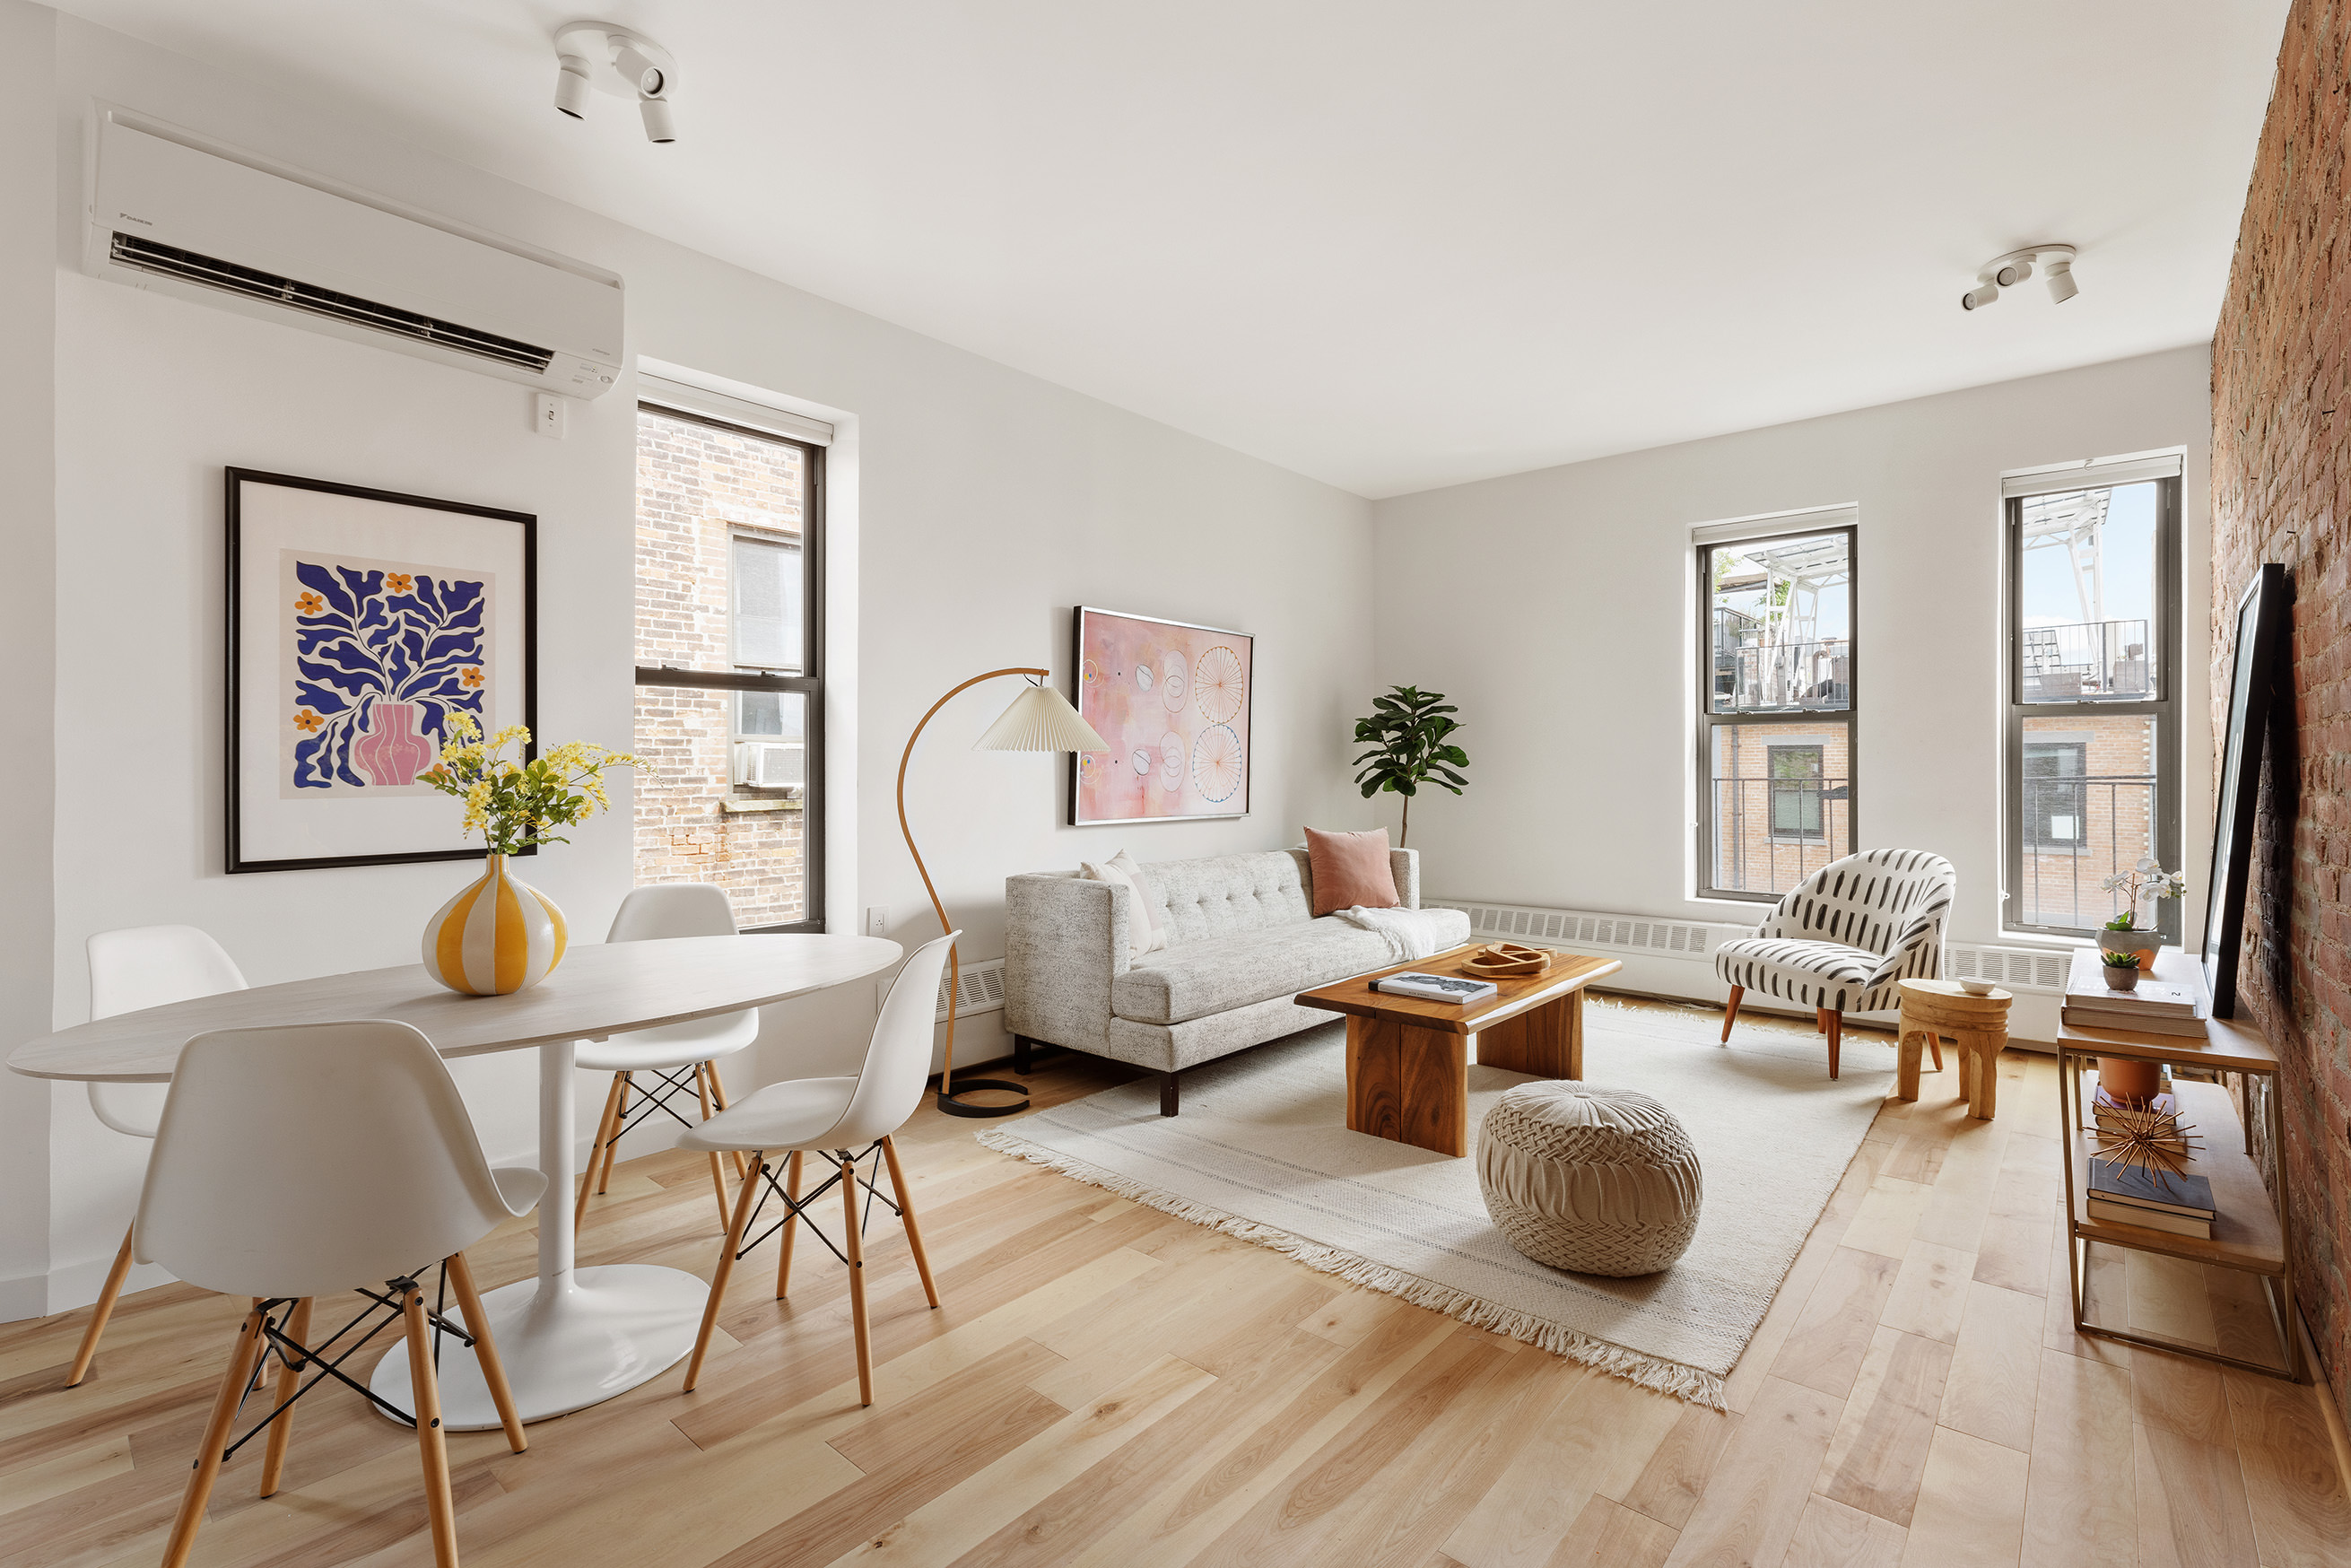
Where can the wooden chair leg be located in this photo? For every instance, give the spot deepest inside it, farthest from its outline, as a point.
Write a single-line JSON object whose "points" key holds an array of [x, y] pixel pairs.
{"points": [[627, 1083], [1730, 1011], [106, 1297], [718, 1167], [290, 1378], [486, 1350], [718, 1092], [791, 1225], [743, 1202], [856, 1280], [596, 1150], [208, 1458], [906, 1218], [432, 1442], [1833, 1023]]}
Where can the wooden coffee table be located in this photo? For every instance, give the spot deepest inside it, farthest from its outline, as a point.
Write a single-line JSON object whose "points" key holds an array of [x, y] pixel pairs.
{"points": [[1409, 1060]]}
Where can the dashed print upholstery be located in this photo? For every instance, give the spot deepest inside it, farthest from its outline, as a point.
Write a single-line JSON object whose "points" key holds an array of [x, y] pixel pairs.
{"points": [[1849, 933]]}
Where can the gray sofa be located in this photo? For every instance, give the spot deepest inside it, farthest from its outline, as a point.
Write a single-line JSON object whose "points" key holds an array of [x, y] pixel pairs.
{"points": [[1241, 943]]}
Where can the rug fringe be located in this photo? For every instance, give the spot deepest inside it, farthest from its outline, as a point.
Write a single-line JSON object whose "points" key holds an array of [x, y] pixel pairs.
{"points": [[1686, 1382]]}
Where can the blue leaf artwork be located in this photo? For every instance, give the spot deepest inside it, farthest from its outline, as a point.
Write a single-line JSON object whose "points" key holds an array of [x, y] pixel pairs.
{"points": [[382, 657]]}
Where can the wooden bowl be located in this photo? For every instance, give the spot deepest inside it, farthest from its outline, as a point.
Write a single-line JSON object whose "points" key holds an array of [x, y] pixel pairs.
{"points": [[1506, 960]]}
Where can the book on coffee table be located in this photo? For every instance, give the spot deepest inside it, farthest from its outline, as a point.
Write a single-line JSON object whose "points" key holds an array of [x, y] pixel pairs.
{"points": [[1436, 987]]}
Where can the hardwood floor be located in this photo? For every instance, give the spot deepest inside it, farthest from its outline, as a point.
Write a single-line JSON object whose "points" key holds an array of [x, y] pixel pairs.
{"points": [[1110, 1387]]}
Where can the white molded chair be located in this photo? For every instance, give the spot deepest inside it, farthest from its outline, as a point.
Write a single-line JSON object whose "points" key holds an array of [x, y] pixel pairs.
{"points": [[1846, 938], [678, 1056], [141, 967], [306, 1160], [846, 1120]]}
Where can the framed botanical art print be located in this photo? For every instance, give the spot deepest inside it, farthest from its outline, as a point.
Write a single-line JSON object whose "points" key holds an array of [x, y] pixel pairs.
{"points": [[1174, 701], [359, 623]]}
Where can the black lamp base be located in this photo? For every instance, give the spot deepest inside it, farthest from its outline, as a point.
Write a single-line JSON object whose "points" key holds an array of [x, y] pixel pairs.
{"points": [[969, 1085]]}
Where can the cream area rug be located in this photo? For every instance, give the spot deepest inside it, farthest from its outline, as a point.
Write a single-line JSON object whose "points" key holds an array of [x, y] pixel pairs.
{"points": [[1262, 1151]]}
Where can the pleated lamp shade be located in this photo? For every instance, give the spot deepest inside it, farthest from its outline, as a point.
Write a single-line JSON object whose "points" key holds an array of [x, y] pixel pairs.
{"points": [[1040, 719]]}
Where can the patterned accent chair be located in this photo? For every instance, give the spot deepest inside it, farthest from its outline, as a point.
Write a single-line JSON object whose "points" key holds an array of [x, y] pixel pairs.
{"points": [[1846, 938]]}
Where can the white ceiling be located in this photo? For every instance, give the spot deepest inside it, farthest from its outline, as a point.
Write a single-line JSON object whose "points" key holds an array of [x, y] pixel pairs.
{"points": [[1390, 246]]}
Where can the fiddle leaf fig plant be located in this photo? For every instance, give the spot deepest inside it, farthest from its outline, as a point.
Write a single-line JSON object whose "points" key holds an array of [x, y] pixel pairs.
{"points": [[1411, 742]]}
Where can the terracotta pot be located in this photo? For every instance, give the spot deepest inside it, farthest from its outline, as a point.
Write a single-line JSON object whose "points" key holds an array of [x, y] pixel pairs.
{"points": [[2134, 1082], [2120, 979], [499, 936]]}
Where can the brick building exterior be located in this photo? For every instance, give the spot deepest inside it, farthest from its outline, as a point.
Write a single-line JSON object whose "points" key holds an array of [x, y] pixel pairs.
{"points": [[2280, 484], [698, 487], [1781, 803]]}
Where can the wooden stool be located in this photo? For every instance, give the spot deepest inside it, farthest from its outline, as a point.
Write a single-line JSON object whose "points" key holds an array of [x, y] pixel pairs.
{"points": [[1977, 1025]]}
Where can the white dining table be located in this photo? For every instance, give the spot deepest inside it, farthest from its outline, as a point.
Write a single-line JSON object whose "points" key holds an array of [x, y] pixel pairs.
{"points": [[571, 1337]]}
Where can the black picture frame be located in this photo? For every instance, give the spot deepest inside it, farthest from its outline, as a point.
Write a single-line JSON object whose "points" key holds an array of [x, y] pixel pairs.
{"points": [[2262, 613], [237, 728]]}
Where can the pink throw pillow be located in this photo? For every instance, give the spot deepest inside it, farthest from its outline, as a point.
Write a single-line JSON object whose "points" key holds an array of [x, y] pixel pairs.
{"points": [[1349, 869]]}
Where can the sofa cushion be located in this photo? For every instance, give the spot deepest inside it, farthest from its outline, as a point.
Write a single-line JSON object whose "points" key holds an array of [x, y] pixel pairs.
{"points": [[1194, 979], [1224, 895]]}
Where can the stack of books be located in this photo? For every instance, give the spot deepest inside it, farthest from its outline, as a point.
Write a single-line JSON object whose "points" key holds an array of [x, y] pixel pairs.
{"points": [[2170, 1001], [2132, 1195]]}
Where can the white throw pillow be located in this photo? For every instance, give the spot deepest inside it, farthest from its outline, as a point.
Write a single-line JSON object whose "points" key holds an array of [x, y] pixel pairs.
{"points": [[1145, 934]]}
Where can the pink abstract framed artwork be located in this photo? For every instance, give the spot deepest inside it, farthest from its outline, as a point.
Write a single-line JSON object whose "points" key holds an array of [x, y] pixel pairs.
{"points": [[1173, 699]]}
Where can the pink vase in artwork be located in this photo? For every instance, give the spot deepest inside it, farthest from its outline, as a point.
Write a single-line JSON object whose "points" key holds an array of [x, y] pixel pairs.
{"points": [[393, 751]]}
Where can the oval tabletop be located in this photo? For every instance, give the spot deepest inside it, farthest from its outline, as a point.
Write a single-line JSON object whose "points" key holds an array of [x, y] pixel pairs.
{"points": [[596, 991]]}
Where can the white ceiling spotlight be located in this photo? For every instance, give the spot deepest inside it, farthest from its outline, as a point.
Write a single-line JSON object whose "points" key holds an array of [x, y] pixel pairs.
{"points": [[2056, 262], [600, 57]]}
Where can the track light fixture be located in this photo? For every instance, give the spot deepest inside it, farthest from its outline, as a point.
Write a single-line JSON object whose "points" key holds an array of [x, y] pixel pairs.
{"points": [[597, 57], [2057, 263]]}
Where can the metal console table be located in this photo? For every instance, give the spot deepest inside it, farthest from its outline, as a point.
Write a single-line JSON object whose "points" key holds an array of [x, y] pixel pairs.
{"points": [[2253, 1236]]}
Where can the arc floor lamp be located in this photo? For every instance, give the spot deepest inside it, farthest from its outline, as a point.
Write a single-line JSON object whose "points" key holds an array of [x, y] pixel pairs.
{"points": [[1040, 719]]}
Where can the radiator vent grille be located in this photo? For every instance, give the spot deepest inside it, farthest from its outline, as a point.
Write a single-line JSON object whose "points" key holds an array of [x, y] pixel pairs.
{"points": [[2020, 969], [1575, 928], [2013, 968], [983, 988], [229, 277]]}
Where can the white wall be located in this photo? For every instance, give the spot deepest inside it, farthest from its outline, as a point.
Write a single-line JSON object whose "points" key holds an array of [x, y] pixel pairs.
{"points": [[28, 628], [1555, 608], [979, 505]]}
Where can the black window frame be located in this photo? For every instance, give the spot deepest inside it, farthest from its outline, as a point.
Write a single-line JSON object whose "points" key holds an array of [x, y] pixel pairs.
{"points": [[2163, 706], [808, 682], [1848, 717]]}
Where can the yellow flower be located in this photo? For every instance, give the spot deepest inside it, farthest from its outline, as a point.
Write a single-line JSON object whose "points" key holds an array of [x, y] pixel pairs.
{"points": [[308, 603], [308, 723], [399, 581], [470, 676]]}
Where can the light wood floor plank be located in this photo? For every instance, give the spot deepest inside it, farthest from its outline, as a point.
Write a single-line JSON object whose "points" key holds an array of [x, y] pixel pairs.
{"points": [[1995, 1368], [2080, 1501], [1597, 1440], [1825, 1349], [1831, 1535], [2192, 1511], [1609, 1535], [1761, 1482], [2301, 1518], [1970, 1510], [1875, 1460]]}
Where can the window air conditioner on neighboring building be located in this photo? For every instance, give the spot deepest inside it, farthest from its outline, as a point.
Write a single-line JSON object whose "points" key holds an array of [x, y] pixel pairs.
{"points": [[770, 765]]}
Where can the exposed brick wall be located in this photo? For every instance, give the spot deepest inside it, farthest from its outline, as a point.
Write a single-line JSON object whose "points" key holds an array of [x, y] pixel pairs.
{"points": [[2280, 484], [697, 488]]}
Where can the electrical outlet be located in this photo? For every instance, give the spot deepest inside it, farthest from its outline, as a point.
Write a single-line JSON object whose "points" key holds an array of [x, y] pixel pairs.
{"points": [[877, 920]]}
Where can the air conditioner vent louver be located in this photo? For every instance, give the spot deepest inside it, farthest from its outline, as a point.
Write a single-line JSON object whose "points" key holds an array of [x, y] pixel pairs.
{"points": [[210, 272], [982, 991]]}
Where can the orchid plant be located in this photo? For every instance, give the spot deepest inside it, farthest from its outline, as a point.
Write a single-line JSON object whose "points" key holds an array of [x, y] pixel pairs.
{"points": [[514, 804], [2147, 880]]}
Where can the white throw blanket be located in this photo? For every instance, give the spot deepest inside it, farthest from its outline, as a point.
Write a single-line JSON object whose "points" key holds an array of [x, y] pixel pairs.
{"points": [[1412, 935]]}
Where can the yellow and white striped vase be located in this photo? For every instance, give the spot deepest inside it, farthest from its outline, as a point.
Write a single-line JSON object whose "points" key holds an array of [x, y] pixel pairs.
{"points": [[499, 936]]}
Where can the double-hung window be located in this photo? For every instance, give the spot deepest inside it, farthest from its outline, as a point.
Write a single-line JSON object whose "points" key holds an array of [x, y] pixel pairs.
{"points": [[1775, 702], [729, 645], [2093, 658]]}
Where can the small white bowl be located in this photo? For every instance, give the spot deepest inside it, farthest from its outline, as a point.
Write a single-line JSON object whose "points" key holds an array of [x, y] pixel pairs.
{"points": [[1977, 988]]}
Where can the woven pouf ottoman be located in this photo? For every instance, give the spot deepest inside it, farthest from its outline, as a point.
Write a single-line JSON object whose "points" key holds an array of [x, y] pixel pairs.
{"points": [[1588, 1178]]}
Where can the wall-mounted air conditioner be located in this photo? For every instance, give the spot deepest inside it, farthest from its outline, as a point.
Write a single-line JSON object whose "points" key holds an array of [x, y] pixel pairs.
{"points": [[170, 213], [770, 765]]}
